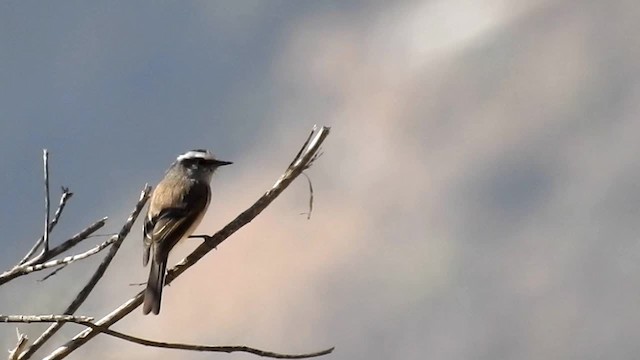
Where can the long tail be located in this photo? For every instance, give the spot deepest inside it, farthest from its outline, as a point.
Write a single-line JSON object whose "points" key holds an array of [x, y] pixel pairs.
{"points": [[153, 293]]}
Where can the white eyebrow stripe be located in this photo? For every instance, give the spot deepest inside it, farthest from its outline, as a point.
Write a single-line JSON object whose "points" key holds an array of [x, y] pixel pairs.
{"points": [[196, 155]]}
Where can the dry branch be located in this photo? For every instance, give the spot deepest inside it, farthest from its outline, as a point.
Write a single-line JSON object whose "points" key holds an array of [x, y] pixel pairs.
{"points": [[75, 239], [47, 206], [86, 321], [24, 270], [209, 348], [54, 272], [36, 264], [301, 162], [84, 293], [66, 195], [43, 318], [22, 343]]}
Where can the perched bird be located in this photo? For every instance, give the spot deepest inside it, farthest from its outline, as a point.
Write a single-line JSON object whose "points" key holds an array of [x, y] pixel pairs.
{"points": [[177, 206]]}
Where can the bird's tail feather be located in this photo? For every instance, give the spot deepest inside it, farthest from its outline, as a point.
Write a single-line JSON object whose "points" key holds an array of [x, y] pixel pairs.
{"points": [[153, 293]]}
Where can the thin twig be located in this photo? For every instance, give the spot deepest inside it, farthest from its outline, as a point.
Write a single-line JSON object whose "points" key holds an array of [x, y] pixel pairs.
{"points": [[74, 240], [100, 235], [66, 195], [35, 263], [84, 293], [24, 270], [54, 272], [300, 163], [47, 208], [211, 348], [22, 343], [87, 321], [310, 197]]}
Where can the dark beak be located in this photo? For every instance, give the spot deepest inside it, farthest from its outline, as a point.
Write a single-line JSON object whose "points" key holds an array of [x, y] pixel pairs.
{"points": [[221, 163]]}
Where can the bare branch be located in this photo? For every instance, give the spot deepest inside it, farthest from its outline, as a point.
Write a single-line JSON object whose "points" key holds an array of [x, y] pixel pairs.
{"points": [[299, 163], [33, 264], [66, 245], [47, 208], [126, 228], [209, 348], [22, 343], [74, 240], [305, 146], [43, 318], [24, 270], [86, 321], [84, 293], [66, 195]]}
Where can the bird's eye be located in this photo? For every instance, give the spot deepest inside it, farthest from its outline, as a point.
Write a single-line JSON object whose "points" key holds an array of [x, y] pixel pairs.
{"points": [[192, 162]]}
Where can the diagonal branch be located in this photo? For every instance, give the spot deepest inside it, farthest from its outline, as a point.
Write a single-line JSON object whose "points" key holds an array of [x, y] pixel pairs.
{"points": [[33, 264], [302, 161], [24, 270], [74, 240], [54, 272], [84, 293], [66, 195]]}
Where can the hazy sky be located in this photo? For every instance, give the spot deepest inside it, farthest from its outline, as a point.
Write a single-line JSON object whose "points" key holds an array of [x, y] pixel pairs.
{"points": [[478, 197]]}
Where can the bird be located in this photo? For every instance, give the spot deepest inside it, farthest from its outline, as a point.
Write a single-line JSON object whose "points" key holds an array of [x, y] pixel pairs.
{"points": [[177, 205]]}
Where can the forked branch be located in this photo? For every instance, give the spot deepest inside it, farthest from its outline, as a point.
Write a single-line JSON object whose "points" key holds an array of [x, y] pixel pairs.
{"points": [[66, 195], [115, 242]]}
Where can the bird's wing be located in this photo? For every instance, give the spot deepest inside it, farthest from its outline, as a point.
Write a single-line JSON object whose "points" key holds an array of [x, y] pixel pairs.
{"points": [[163, 230]]}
